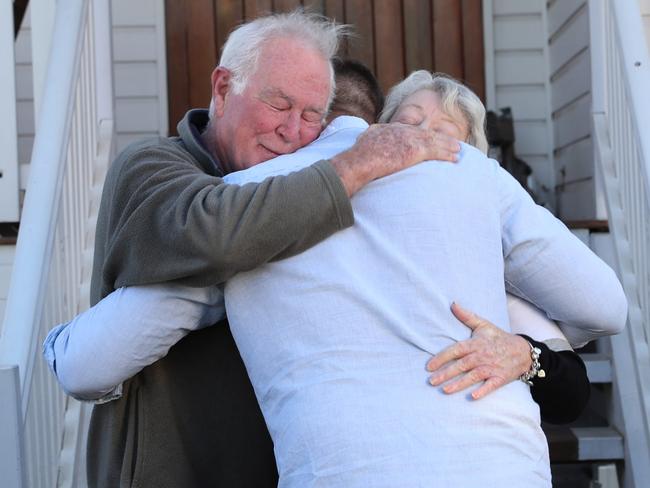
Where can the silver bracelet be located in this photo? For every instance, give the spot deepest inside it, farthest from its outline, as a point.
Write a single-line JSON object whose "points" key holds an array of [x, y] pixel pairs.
{"points": [[535, 368]]}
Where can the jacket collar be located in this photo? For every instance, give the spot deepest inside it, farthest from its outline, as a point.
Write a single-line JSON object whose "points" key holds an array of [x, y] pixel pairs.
{"points": [[190, 129]]}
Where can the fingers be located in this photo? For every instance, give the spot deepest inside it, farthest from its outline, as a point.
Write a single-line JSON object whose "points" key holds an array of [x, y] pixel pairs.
{"points": [[467, 364], [442, 147], [451, 353], [468, 318], [490, 385], [473, 377]]}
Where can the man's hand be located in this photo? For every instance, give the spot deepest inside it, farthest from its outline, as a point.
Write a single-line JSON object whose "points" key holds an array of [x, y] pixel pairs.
{"points": [[492, 357], [387, 148]]}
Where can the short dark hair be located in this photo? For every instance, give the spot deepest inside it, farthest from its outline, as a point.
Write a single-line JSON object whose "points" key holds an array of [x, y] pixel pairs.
{"points": [[357, 91]]}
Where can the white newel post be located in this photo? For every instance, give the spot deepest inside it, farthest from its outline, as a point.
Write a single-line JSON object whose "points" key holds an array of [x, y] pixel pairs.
{"points": [[8, 130]]}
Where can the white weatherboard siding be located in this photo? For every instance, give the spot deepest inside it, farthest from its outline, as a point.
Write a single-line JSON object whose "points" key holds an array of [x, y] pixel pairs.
{"points": [[645, 13], [517, 77], [24, 96], [570, 75], [139, 70], [6, 259]]}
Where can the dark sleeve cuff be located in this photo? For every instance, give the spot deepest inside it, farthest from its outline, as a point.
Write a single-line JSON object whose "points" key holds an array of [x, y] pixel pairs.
{"points": [[562, 394]]}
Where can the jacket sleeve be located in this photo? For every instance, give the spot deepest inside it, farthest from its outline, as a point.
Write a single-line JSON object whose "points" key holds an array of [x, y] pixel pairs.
{"points": [[562, 394], [166, 220]]}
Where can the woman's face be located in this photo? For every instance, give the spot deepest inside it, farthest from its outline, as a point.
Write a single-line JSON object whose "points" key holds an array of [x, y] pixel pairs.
{"points": [[423, 108]]}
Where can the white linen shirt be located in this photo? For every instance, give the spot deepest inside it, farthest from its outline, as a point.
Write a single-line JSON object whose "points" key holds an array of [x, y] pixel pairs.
{"points": [[335, 340]]}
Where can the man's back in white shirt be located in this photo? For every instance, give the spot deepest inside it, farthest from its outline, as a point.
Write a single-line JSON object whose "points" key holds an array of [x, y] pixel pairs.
{"points": [[335, 340]]}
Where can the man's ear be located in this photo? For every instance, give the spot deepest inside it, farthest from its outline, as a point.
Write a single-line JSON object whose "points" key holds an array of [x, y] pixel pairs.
{"points": [[221, 78]]}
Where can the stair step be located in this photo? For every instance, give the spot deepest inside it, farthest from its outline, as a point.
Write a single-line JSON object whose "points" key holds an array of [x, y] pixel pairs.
{"points": [[599, 367], [570, 444]]}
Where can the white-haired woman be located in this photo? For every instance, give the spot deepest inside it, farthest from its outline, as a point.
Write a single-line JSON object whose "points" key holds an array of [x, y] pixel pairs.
{"points": [[559, 383]]}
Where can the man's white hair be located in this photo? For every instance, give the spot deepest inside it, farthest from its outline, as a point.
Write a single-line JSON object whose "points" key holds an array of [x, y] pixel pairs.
{"points": [[241, 51], [454, 97]]}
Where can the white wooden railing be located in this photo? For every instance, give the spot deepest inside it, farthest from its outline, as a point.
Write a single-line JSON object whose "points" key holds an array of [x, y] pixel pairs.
{"points": [[72, 148], [621, 129], [8, 133]]}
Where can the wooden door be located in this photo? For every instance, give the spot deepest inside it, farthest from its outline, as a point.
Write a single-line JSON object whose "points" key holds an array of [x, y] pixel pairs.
{"points": [[394, 37]]}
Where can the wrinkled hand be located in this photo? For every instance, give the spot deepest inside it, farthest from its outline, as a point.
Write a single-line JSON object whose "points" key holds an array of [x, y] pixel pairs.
{"points": [[491, 356], [384, 149]]}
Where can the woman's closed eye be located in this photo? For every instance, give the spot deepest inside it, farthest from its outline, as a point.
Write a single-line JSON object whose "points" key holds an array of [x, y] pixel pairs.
{"points": [[409, 120]]}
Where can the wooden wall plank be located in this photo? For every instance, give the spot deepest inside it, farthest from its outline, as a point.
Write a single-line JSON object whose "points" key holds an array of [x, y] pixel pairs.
{"points": [[335, 9], [559, 12], [473, 54], [517, 7], [178, 79], [256, 8], [570, 41], [228, 15], [522, 31], [136, 79], [201, 50], [317, 6], [361, 47], [389, 55], [571, 123], [286, 5], [130, 13], [418, 38], [572, 82], [448, 42], [393, 38]]}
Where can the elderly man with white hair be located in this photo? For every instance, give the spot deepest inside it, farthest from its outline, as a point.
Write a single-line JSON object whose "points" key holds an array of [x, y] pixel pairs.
{"points": [[166, 214]]}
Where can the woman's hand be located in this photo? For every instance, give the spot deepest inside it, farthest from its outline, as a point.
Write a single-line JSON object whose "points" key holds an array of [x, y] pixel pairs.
{"points": [[491, 356]]}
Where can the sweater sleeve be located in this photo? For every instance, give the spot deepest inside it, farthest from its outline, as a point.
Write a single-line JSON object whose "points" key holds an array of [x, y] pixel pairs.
{"points": [[562, 394], [166, 219]]}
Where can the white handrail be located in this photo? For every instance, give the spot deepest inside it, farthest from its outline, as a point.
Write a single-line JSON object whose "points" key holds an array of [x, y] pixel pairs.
{"points": [[40, 209], [621, 117], [636, 64], [47, 284]]}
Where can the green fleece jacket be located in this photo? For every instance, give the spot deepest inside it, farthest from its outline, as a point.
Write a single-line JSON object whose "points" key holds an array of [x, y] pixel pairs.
{"points": [[191, 419], [167, 215]]}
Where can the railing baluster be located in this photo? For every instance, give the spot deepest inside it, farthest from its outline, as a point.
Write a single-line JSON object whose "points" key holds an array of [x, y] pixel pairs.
{"points": [[621, 128], [49, 266]]}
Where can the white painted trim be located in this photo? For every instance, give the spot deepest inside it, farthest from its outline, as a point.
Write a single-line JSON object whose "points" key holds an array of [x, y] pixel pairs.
{"points": [[598, 89], [550, 133], [636, 62], [597, 48], [488, 47], [103, 60], [163, 108], [42, 21], [9, 211], [12, 452], [631, 355]]}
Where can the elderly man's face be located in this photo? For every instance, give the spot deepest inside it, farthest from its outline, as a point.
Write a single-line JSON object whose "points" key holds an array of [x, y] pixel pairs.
{"points": [[280, 110]]}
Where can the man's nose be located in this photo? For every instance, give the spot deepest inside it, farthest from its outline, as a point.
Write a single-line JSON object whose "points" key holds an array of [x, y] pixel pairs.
{"points": [[289, 130]]}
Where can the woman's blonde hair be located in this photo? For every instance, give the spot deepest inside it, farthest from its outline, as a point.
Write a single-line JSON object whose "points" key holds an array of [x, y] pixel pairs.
{"points": [[454, 97]]}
